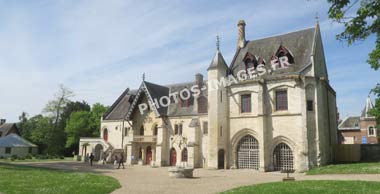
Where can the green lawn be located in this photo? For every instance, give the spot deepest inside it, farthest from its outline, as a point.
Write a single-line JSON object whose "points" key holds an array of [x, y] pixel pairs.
{"points": [[29, 180], [7, 160], [310, 187], [354, 168]]}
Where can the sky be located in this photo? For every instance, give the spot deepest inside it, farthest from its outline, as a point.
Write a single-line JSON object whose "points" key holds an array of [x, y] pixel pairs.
{"points": [[98, 48]]}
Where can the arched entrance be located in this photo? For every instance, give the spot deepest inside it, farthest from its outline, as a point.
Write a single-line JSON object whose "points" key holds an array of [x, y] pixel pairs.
{"points": [[105, 134], [221, 159], [283, 157], [173, 157], [98, 152], [248, 153], [148, 155]]}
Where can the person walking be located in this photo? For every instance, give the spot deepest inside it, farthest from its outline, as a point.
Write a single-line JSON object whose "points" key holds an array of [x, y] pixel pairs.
{"points": [[121, 161], [91, 158], [104, 158]]}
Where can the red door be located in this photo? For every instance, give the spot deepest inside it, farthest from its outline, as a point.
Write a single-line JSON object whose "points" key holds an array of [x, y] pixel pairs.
{"points": [[148, 155], [173, 157]]}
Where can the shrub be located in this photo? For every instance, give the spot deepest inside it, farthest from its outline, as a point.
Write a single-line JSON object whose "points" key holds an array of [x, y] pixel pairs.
{"points": [[14, 157], [29, 156]]}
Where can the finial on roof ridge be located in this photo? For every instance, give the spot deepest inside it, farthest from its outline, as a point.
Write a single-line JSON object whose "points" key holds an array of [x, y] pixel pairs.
{"points": [[217, 42], [143, 76], [316, 18]]}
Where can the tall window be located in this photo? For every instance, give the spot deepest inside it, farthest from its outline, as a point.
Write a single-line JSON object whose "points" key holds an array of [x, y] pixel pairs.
{"points": [[176, 129], [180, 129], [310, 105], [371, 131], [155, 130], [202, 104], [30, 150], [205, 128], [8, 150], [282, 100], [221, 131], [105, 134], [142, 130], [246, 103]]}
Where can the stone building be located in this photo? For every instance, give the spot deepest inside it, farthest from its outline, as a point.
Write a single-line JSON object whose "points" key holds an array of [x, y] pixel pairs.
{"points": [[272, 108], [359, 129]]}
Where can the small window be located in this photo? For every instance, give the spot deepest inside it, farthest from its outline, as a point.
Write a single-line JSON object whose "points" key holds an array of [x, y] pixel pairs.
{"points": [[30, 150], [221, 96], [180, 129], [246, 103], [221, 131], [116, 127], [155, 130], [371, 131], [355, 138], [281, 100], [310, 105], [142, 130], [126, 129], [176, 129], [205, 128], [8, 150]]}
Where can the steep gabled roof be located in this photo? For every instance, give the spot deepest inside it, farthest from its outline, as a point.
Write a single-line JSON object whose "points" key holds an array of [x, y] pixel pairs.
{"points": [[13, 140], [218, 61], [152, 91], [6, 127], [119, 108], [368, 106], [299, 43]]}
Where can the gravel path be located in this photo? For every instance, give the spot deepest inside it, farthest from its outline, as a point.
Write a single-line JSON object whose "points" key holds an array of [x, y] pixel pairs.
{"points": [[146, 180]]}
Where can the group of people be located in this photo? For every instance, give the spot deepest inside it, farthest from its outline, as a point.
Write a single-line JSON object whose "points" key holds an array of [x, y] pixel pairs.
{"points": [[119, 159]]}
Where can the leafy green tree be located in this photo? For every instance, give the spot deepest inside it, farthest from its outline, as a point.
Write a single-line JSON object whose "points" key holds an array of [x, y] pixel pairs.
{"points": [[358, 27], [360, 24], [83, 124]]}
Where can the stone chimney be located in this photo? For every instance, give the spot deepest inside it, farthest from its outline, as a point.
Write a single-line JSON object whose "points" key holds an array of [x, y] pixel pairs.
{"points": [[2, 121], [241, 29], [199, 79]]}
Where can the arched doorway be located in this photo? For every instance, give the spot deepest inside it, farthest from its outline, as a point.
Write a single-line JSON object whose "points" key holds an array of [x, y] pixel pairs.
{"points": [[221, 159], [248, 153], [105, 134], [184, 155], [283, 157], [148, 155], [98, 152], [173, 157]]}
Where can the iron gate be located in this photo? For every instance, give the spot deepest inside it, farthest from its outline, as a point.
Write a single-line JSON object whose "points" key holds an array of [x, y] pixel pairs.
{"points": [[248, 153], [283, 157]]}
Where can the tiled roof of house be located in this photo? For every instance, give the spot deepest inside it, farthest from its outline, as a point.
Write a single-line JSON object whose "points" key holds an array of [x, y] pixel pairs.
{"points": [[13, 140], [6, 127]]}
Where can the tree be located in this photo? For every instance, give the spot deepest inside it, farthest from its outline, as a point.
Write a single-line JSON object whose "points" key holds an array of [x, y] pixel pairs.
{"points": [[54, 109], [83, 124], [363, 24]]}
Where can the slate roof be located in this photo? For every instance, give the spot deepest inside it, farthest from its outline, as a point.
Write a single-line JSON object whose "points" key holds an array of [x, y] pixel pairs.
{"points": [[350, 123], [368, 106], [299, 43], [218, 61], [13, 140], [6, 127]]}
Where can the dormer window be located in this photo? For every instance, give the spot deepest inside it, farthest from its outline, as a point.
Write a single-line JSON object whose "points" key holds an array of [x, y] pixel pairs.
{"points": [[283, 58], [250, 61]]}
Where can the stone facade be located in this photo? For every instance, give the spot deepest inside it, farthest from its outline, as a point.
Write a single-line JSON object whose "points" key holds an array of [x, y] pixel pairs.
{"points": [[266, 132]]}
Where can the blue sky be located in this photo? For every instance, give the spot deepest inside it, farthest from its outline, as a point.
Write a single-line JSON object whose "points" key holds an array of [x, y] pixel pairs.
{"points": [[98, 48]]}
